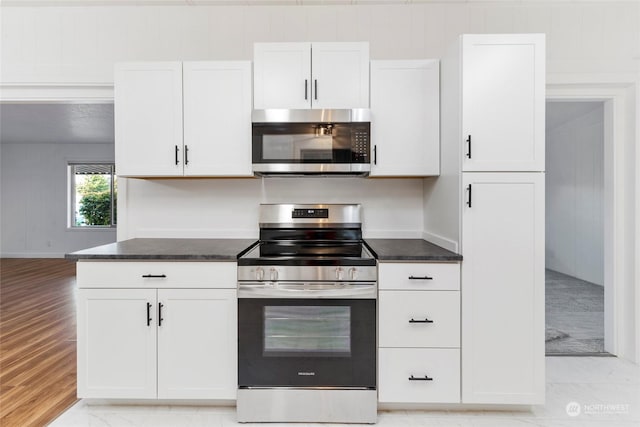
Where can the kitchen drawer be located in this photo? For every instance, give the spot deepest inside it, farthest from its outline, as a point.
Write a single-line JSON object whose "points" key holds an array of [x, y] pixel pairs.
{"points": [[397, 365], [130, 274], [426, 276], [398, 308]]}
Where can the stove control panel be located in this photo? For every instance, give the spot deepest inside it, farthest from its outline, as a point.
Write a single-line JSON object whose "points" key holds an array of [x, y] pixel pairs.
{"points": [[310, 213]]}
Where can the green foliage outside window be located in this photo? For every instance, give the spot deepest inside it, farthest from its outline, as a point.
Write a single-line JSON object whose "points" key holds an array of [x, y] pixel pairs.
{"points": [[95, 201]]}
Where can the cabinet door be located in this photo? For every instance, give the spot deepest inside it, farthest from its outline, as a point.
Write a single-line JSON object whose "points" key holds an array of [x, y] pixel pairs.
{"points": [[217, 118], [503, 288], [197, 344], [340, 75], [405, 123], [148, 119], [116, 343], [503, 89], [281, 75]]}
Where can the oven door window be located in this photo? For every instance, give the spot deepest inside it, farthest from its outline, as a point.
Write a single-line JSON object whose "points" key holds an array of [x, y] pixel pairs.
{"points": [[295, 331]]}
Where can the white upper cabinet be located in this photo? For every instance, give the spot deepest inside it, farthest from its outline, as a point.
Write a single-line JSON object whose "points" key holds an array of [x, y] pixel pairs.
{"points": [[151, 139], [503, 93], [148, 118], [340, 74], [217, 118], [281, 75], [311, 75], [405, 118], [503, 288]]}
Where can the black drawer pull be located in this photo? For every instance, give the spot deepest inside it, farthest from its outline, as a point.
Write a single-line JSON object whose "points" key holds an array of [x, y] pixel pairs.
{"points": [[160, 319], [421, 321], [426, 378], [420, 278], [154, 276]]}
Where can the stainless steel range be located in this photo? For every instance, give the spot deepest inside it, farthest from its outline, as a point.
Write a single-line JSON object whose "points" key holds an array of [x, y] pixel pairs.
{"points": [[307, 318]]}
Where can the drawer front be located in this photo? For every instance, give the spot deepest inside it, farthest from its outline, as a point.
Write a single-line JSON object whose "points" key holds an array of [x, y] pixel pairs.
{"points": [[406, 316], [397, 365], [419, 276], [158, 274]]}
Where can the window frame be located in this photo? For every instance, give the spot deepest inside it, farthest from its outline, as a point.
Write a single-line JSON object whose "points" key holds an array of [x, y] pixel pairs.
{"points": [[71, 200]]}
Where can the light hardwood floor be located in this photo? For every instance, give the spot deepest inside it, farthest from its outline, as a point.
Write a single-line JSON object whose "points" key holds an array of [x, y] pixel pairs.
{"points": [[37, 340]]}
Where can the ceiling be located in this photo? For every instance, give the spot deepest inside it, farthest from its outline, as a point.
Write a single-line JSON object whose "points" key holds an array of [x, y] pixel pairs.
{"points": [[560, 112], [56, 123]]}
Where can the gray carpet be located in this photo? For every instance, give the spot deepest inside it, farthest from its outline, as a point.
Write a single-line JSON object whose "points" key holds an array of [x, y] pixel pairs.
{"points": [[574, 315]]}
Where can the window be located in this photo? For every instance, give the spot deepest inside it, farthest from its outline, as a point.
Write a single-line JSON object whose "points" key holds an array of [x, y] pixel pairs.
{"points": [[93, 195]]}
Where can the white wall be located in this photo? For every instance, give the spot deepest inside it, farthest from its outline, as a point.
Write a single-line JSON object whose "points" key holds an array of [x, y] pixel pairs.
{"points": [[575, 193], [33, 199], [228, 207], [80, 44]]}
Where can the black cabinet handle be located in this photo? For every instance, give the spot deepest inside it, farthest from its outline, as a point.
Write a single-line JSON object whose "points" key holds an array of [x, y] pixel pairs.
{"points": [[425, 378], [375, 154], [315, 89], [154, 276], [421, 321], [469, 189], [160, 319], [420, 278], [469, 146], [186, 154], [306, 89], [177, 151], [149, 314]]}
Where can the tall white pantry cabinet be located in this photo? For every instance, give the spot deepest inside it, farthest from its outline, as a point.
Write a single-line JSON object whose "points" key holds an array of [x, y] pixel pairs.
{"points": [[492, 176]]}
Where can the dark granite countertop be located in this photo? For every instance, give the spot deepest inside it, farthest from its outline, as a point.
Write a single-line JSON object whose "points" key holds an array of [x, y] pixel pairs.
{"points": [[178, 249], [410, 250]]}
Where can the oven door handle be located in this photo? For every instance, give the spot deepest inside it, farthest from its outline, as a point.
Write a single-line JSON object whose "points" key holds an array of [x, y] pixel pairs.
{"points": [[361, 290]]}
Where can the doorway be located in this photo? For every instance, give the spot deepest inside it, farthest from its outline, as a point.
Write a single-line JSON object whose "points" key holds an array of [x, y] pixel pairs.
{"points": [[575, 228]]}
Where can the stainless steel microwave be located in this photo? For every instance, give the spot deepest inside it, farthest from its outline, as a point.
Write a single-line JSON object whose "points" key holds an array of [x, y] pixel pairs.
{"points": [[311, 142]]}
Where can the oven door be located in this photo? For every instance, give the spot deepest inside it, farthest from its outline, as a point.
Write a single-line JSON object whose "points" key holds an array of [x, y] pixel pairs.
{"points": [[328, 343]]}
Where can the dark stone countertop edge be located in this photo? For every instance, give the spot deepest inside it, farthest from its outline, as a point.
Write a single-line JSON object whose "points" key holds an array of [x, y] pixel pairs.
{"points": [[86, 254], [181, 257], [394, 250], [426, 252]]}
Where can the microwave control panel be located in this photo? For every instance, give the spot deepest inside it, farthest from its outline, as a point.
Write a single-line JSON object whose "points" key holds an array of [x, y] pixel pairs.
{"points": [[360, 145]]}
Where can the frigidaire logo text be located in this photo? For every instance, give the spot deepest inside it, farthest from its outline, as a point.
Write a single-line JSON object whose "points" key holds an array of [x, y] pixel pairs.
{"points": [[306, 374]]}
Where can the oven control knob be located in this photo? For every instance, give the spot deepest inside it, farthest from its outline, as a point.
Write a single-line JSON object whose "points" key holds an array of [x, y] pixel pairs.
{"points": [[339, 273], [353, 273], [274, 274], [259, 273]]}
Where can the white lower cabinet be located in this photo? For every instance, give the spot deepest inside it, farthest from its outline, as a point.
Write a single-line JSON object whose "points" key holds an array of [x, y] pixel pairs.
{"points": [[420, 319], [197, 344], [503, 289], [419, 375], [419, 333], [116, 343], [156, 343]]}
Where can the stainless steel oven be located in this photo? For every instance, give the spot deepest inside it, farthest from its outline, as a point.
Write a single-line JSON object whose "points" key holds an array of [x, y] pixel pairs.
{"points": [[311, 142], [307, 318]]}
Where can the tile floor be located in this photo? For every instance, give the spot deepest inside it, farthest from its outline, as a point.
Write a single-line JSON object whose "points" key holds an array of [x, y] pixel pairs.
{"points": [[574, 315], [598, 391]]}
